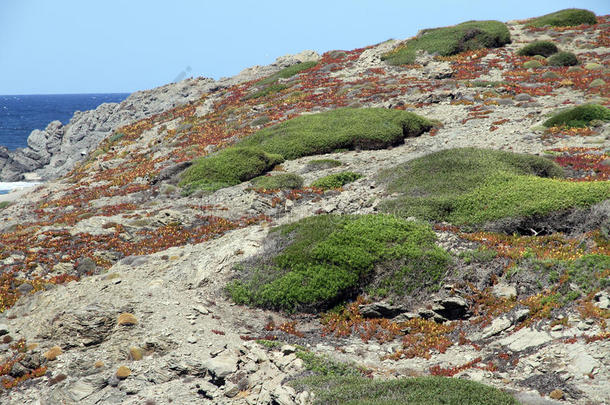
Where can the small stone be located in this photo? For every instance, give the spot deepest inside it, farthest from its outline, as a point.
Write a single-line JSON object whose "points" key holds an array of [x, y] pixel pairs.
{"points": [[288, 349], [3, 329], [231, 389], [127, 319], [25, 288], [602, 298], [523, 97], [135, 353], [192, 339], [556, 394], [123, 372], [53, 353], [502, 290]]}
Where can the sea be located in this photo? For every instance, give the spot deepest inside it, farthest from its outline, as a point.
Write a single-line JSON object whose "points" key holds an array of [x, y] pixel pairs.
{"points": [[21, 114]]}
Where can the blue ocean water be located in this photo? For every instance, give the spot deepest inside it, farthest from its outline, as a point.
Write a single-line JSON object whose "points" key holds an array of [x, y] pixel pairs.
{"points": [[20, 115]]}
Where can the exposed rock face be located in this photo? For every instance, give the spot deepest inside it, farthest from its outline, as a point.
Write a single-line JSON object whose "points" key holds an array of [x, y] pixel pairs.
{"points": [[54, 151]]}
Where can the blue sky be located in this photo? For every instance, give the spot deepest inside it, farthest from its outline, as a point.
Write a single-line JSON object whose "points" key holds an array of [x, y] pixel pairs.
{"points": [[99, 46]]}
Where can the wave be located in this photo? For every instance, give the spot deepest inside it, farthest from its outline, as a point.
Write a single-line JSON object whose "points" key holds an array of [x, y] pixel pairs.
{"points": [[6, 187]]}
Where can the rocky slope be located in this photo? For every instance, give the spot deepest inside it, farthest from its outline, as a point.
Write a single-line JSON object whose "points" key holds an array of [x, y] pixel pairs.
{"points": [[111, 266]]}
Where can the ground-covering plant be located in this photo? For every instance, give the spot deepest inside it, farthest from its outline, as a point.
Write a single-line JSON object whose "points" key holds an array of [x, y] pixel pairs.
{"points": [[336, 180], [229, 167], [312, 134], [278, 181], [578, 117], [345, 128], [329, 258], [417, 391], [544, 48], [265, 91], [565, 18], [563, 59], [452, 40], [4, 204], [473, 186], [287, 72]]}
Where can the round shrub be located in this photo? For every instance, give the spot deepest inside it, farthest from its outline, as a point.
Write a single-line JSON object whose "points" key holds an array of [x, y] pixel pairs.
{"points": [[563, 59], [278, 181], [544, 48], [532, 64], [565, 18], [326, 259], [336, 180], [579, 116]]}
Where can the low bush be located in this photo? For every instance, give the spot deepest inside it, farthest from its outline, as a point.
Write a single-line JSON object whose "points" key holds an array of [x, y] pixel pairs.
{"points": [[452, 40], [265, 91], [287, 72], [278, 181], [4, 204], [336, 180], [565, 18], [544, 48], [474, 186], [345, 128], [532, 64], [228, 167], [563, 59], [356, 390], [327, 259], [580, 116]]}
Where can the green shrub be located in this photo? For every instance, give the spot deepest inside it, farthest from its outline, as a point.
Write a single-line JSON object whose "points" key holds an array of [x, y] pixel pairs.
{"points": [[281, 181], [564, 18], [544, 48], [228, 167], [563, 59], [452, 40], [532, 64], [579, 116], [287, 72], [4, 204], [336, 180], [345, 128], [355, 390], [116, 137], [473, 186], [265, 91], [331, 258], [321, 164]]}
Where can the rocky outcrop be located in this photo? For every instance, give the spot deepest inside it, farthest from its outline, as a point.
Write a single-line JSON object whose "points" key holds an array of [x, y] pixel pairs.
{"points": [[54, 151]]}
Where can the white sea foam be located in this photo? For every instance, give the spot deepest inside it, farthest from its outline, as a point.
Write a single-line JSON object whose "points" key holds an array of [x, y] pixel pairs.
{"points": [[6, 187]]}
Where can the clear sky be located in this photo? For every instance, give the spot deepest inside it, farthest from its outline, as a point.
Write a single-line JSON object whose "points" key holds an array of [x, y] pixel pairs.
{"points": [[101, 46]]}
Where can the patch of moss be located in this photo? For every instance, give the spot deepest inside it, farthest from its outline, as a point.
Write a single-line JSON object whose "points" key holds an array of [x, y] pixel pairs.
{"points": [[473, 186], [544, 48], [345, 128], [563, 59], [580, 116], [452, 40], [331, 258], [565, 18], [278, 181], [336, 180], [4, 204], [355, 390], [228, 167], [287, 72]]}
